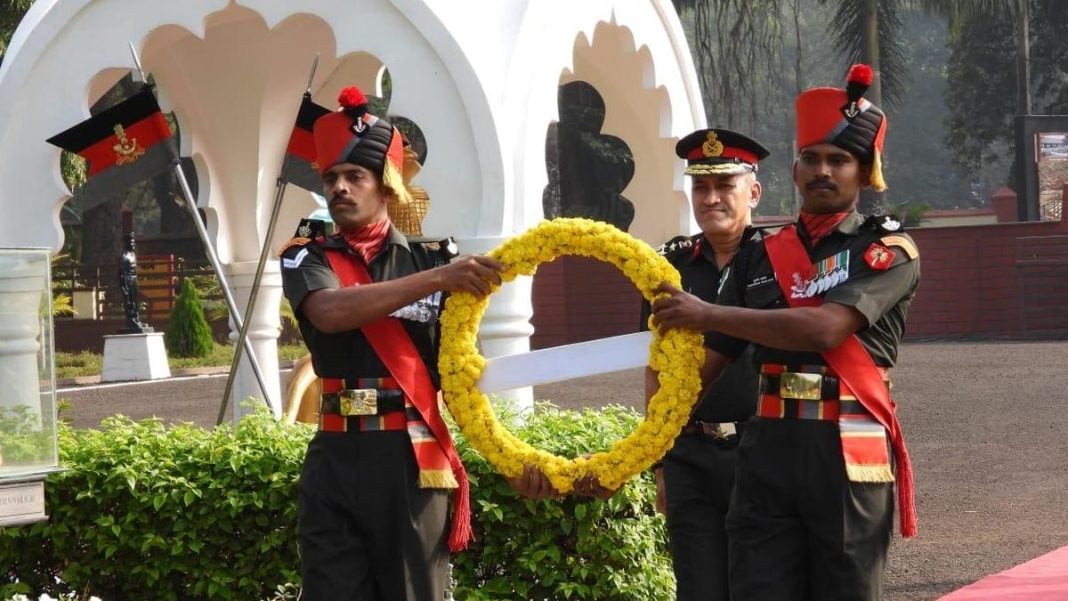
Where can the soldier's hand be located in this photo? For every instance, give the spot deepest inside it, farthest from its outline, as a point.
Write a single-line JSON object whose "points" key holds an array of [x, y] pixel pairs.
{"points": [[679, 310], [477, 274], [661, 491], [589, 486], [533, 484]]}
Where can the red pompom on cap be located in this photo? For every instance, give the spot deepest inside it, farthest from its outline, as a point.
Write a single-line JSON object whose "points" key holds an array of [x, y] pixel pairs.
{"points": [[860, 73], [351, 98]]}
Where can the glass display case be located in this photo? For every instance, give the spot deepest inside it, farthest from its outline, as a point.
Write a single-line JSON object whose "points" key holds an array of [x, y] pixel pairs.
{"points": [[28, 440]]}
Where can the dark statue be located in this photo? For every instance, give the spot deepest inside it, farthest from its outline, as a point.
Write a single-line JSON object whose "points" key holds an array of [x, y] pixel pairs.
{"points": [[128, 284]]}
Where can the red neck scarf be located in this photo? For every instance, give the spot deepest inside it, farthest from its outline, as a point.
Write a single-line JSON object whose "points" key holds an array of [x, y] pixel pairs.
{"points": [[819, 226], [368, 240]]}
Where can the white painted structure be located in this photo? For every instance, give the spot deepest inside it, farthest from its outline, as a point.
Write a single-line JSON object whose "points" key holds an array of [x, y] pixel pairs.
{"points": [[130, 357], [482, 88]]}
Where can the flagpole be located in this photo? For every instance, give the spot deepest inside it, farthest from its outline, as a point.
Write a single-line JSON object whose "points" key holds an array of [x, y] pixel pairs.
{"points": [[217, 267], [190, 204], [280, 189], [242, 335]]}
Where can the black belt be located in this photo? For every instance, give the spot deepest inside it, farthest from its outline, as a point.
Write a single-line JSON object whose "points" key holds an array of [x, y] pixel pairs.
{"points": [[714, 430], [385, 401]]}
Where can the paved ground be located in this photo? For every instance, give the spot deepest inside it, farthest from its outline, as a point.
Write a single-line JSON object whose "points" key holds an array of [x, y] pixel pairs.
{"points": [[985, 422]]}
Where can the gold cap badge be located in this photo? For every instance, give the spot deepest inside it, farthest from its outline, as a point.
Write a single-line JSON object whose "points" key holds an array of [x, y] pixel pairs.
{"points": [[712, 147]]}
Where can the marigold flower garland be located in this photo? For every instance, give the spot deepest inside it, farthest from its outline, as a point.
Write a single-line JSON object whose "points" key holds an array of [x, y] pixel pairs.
{"points": [[677, 356]]}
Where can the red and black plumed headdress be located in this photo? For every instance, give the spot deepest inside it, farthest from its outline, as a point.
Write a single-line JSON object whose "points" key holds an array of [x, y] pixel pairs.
{"points": [[846, 119], [353, 135]]}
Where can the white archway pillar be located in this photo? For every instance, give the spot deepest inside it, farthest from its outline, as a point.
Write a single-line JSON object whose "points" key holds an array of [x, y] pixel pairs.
{"points": [[505, 327], [21, 288], [264, 327]]}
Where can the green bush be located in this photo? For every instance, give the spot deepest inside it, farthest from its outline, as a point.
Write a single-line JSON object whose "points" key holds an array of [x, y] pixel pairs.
{"points": [[24, 440], [188, 333], [147, 512], [575, 548]]}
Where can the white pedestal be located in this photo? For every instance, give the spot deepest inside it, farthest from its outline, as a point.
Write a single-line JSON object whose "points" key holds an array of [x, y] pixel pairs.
{"points": [[135, 357]]}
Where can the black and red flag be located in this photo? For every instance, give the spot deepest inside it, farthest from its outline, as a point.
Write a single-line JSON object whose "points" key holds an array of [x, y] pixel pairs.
{"points": [[300, 165], [123, 145]]}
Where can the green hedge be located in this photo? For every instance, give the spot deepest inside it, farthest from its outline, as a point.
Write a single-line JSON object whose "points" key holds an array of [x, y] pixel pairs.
{"points": [[148, 512]]}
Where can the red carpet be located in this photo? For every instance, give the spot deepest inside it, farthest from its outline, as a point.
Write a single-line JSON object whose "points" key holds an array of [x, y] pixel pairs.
{"points": [[1042, 579]]}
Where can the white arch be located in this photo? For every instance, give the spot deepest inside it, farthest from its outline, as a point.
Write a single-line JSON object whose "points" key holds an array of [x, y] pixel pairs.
{"points": [[482, 90]]}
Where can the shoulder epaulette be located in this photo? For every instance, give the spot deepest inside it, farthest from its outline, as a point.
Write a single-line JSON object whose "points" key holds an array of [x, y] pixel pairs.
{"points": [[297, 241], [903, 242], [676, 244], [307, 230]]}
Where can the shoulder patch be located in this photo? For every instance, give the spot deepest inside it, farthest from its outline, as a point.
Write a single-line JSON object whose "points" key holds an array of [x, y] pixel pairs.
{"points": [[903, 242], [676, 244], [297, 241], [296, 260]]}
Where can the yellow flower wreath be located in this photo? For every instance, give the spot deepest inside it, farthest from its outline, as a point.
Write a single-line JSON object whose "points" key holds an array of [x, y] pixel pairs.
{"points": [[677, 356]]}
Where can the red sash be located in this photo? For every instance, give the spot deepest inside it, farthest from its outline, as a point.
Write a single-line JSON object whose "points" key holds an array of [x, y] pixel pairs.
{"points": [[853, 364], [390, 341]]}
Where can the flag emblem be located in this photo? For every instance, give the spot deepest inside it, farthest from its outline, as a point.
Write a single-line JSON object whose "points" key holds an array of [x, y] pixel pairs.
{"points": [[127, 150]]}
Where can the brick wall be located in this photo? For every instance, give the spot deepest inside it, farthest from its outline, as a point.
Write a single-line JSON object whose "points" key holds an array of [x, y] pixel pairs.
{"points": [[1006, 280], [578, 299]]}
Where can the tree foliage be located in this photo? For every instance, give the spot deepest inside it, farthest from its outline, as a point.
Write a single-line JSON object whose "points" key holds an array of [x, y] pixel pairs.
{"points": [[11, 12], [851, 20], [733, 40], [188, 333], [981, 72]]}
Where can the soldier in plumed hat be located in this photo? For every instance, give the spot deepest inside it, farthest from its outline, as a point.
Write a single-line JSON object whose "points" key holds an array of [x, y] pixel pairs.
{"points": [[374, 520], [695, 479], [822, 303]]}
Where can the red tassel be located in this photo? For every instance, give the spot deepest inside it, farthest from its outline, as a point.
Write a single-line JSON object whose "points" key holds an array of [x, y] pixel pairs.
{"points": [[906, 497], [860, 73], [461, 532], [351, 97]]}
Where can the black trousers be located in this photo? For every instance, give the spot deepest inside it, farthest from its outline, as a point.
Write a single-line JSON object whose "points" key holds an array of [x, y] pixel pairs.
{"points": [[798, 529], [698, 477], [367, 531]]}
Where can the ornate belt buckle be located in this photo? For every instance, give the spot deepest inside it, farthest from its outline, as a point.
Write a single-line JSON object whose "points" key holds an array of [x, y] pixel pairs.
{"points": [[359, 401], [724, 431], [806, 387]]}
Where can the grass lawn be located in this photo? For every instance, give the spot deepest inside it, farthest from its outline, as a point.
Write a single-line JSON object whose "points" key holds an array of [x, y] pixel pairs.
{"points": [[85, 363]]}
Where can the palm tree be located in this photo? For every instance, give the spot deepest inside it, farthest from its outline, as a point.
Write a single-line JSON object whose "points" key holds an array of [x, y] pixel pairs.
{"points": [[867, 31], [732, 41]]}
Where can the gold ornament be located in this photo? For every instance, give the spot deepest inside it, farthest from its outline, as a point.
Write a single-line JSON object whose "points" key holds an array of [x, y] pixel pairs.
{"points": [[712, 147], [127, 150]]}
